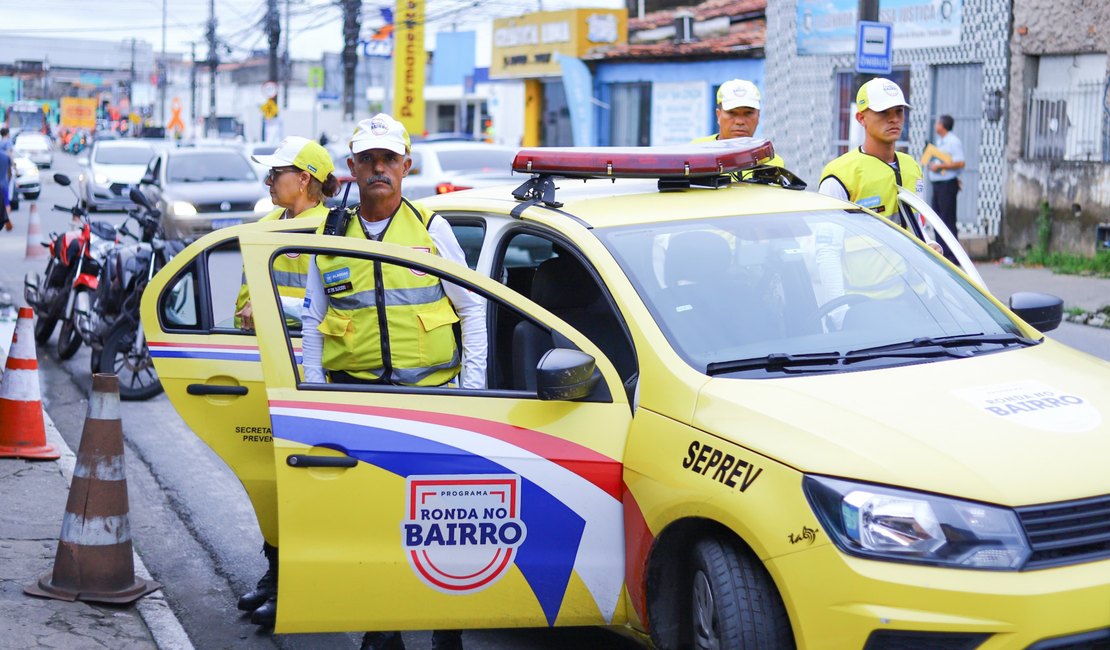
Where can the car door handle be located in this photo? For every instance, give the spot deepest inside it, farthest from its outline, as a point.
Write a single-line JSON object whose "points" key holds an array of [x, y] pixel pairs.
{"points": [[211, 389], [302, 460]]}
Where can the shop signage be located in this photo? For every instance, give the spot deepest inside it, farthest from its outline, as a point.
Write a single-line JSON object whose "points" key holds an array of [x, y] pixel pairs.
{"points": [[526, 46], [830, 26]]}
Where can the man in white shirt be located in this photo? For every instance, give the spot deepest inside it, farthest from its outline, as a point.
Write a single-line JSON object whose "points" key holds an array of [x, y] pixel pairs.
{"points": [[945, 177], [358, 314]]}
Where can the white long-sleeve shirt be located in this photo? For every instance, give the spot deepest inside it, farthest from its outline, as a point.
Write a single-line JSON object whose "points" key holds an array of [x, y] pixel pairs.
{"points": [[470, 307]]}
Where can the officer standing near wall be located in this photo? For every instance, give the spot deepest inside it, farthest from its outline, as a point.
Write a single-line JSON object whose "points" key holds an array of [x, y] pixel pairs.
{"points": [[738, 109]]}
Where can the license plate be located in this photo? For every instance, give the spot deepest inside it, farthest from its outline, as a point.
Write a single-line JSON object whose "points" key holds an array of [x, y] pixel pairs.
{"points": [[224, 223]]}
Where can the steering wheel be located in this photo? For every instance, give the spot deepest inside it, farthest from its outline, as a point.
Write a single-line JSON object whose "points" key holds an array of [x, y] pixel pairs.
{"points": [[845, 300]]}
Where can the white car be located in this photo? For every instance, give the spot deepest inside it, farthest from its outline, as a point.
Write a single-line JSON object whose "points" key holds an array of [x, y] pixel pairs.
{"points": [[27, 181], [111, 168], [450, 166], [35, 146]]}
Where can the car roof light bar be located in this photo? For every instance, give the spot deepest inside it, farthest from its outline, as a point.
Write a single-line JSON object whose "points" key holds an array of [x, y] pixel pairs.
{"points": [[683, 161]]}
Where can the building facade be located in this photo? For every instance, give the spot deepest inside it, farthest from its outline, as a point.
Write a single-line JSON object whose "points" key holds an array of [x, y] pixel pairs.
{"points": [[1058, 190], [950, 57]]}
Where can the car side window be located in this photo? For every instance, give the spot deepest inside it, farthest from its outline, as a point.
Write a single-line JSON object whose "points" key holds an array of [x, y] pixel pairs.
{"points": [[557, 277], [470, 234], [356, 337], [178, 306]]}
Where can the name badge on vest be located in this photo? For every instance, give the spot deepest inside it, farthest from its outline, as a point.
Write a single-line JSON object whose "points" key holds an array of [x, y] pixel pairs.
{"points": [[422, 249], [333, 289], [872, 202]]}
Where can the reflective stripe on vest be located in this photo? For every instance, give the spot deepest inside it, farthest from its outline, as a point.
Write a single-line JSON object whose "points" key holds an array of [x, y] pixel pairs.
{"points": [[386, 321]]}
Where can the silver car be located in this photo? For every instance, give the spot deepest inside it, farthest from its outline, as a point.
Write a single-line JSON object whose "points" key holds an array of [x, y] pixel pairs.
{"points": [[111, 168], [200, 189]]}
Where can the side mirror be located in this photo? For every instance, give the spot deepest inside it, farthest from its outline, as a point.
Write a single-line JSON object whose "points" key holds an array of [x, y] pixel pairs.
{"points": [[1041, 310], [565, 375], [61, 179], [148, 179], [138, 198]]}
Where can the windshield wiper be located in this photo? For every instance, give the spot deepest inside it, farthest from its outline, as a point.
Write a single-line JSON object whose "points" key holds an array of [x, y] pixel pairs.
{"points": [[929, 346], [774, 361]]}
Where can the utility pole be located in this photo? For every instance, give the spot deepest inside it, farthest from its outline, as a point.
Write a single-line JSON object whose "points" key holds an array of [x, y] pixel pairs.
{"points": [[193, 85], [287, 69], [131, 84], [213, 63], [273, 32], [868, 10], [162, 68], [351, 28]]}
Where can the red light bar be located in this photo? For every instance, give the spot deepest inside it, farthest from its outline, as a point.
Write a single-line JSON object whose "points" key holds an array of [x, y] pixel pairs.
{"points": [[672, 161]]}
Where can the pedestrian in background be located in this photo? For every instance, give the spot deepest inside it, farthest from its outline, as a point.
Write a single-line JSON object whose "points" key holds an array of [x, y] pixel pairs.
{"points": [[7, 184], [945, 178]]}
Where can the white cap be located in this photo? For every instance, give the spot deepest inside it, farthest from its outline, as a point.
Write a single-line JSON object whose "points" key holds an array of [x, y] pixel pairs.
{"points": [[380, 132], [879, 95], [738, 92]]}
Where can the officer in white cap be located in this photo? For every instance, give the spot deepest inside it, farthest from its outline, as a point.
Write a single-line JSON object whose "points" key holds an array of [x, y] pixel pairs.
{"points": [[738, 107]]}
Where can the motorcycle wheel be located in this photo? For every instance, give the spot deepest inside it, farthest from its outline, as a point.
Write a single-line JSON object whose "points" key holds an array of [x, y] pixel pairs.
{"points": [[137, 377], [44, 327], [69, 339]]}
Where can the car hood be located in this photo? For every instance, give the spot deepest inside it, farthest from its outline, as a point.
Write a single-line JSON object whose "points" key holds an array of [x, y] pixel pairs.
{"points": [[210, 191], [1017, 427], [128, 174]]}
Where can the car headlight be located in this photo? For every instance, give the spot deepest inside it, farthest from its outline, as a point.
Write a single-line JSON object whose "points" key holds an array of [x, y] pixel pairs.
{"points": [[264, 205], [183, 208], [101, 179], [885, 523]]}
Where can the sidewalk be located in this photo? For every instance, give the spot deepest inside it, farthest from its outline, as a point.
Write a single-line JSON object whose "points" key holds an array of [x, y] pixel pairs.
{"points": [[1089, 294], [33, 498]]}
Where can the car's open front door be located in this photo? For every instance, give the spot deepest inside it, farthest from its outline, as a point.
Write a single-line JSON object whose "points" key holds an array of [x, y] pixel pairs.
{"points": [[425, 508], [210, 367]]}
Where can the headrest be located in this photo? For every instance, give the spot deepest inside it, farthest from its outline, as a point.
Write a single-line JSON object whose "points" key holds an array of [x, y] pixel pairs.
{"points": [[563, 283], [695, 257]]}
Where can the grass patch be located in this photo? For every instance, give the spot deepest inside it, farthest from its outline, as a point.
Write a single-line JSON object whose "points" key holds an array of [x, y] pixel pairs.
{"points": [[1070, 264], [1075, 311]]}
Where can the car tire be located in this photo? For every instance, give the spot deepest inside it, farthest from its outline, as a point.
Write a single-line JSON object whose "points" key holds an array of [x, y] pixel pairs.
{"points": [[137, 378], [13, 203], [733, 601], [31, 196]]}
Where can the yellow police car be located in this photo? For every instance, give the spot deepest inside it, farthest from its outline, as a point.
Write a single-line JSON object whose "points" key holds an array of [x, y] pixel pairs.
{"points": [[719, 414]]}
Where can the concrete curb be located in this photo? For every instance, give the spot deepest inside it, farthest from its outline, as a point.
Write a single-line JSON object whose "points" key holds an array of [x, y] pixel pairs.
{"points": [[156, 612]]}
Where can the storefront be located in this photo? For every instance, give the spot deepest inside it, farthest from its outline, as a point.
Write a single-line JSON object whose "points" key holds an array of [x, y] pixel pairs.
{"points": [[542, 51]]}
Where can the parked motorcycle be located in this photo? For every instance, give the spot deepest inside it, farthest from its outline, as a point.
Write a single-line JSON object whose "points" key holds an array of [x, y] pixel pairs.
{"points": [[116, 326], [70, 279]]}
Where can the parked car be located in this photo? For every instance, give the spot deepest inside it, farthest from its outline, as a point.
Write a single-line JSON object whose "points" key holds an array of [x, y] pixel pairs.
{"points": [[111, 168], [35, 146], [199, 189], [27, 178], [722, 416], [260, 149], [450, 166]]}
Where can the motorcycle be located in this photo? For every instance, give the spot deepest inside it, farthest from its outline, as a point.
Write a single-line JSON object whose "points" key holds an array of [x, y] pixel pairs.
{"points": [[69, 282], [116, 327]]}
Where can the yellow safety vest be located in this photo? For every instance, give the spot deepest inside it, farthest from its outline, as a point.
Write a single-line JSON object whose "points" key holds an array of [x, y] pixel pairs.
{"points": [[290, 273], [774, 161], [386, 321], [872, 183]]}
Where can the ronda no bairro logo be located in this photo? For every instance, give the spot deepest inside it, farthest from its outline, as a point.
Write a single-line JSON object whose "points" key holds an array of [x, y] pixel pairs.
{"points": [[461, 532]]}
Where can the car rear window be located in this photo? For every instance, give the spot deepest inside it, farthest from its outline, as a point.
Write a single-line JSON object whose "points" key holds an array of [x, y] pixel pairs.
{"points": [[476, 159], [209, 166], [123, 155]]}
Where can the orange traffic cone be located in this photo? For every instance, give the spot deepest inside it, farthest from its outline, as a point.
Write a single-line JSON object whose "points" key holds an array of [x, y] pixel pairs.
{"points": [[22, 430], [35, 249], [95, 561]]}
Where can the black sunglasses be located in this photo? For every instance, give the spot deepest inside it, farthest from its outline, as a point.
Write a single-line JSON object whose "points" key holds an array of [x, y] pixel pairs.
{"points": [[274, 172]]}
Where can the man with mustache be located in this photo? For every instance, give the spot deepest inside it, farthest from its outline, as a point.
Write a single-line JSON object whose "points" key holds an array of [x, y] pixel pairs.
{"points": [[366, 322], [738, 108]]}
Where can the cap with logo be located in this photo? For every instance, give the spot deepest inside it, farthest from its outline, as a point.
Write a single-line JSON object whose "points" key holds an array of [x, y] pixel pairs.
{"points": [[380, 132], [301, 153], [879, 95], [738, 92]]}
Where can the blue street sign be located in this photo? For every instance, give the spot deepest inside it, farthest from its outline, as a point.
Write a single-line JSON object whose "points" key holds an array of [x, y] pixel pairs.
{"points": [[327, 96], [874, 50]]}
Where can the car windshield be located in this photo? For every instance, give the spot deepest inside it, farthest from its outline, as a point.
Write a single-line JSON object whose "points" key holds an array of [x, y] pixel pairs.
{"points": [[478, 159], [748, 295], [209, 166], [123, 155]]}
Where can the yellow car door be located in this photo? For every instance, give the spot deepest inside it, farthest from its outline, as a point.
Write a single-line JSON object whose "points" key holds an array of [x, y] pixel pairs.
{"points": [[421, 508], [209, 367]]}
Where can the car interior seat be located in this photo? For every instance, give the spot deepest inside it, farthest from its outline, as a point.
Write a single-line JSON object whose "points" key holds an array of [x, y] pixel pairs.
{"points": [[564, 287]]}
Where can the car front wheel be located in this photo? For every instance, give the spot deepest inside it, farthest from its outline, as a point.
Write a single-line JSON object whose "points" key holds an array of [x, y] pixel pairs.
{"points": [[734, 602]]}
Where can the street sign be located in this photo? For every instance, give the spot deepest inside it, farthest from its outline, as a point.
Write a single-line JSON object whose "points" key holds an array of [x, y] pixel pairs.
{"points": [[874, 50], [378, 48], [269, 89], [316, 77], [269, 109], [327, 96]]}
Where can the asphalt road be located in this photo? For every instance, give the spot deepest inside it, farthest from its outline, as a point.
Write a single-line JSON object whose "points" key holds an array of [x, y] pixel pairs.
{"points": [[191, 521]]}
